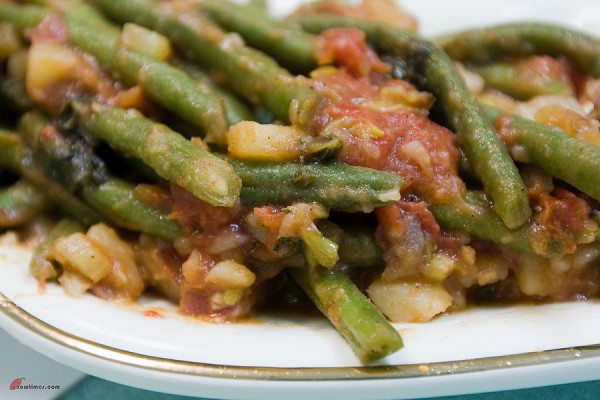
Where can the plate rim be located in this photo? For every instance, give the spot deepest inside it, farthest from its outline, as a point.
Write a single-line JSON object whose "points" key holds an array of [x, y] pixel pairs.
{"points": [[353, 373]]}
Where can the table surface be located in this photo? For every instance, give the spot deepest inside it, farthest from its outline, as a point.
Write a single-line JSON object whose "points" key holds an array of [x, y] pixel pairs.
{"points": [[18, 361]]}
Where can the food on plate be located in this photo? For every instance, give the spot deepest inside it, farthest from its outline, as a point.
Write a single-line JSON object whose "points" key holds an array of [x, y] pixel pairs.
{"points": [[226, 160]]}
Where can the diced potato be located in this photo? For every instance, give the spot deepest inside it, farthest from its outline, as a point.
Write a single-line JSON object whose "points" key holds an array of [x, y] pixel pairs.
{"points": [[250, 140], [83, 255], [49, 63], [409, 301], [535, 277], [124, 276], [142, 40], [230, 274]]}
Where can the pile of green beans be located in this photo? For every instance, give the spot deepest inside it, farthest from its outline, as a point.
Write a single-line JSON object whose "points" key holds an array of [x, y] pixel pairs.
{"points": [[61, 167]]}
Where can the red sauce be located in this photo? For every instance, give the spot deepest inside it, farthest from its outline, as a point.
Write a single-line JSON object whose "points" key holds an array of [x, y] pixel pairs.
{"points": [[420, 151], [347, 48], [195, 214], [561, 214], [152, 313], [51, 29]]}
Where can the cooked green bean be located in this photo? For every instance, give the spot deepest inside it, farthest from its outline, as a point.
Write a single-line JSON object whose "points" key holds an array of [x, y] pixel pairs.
{"points": [[521, 39], [357, 244], [336, 186], [170, 155], [512, 81], [573, 160], [116, 200], [20, 203], [165, 84], [353, 315], [235, 109], [112, 198], [477, 218], [476, 136], [23, 17], [291, 47], [40, 265], [18, 159], [248, 72]]}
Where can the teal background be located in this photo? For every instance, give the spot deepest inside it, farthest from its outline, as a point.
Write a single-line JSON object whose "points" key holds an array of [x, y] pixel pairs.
{"points": [[98, 389]]}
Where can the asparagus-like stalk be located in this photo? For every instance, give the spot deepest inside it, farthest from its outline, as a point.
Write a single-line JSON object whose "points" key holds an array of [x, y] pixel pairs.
{"points": [[336, 186], [291, 47], [476, 136], [248, 72], [40, 265], [521, 39], [363, 326], [20, 203], [171, 155]]}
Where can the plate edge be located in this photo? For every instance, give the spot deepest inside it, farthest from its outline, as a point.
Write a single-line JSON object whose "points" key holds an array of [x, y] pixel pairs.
{"points": [[124, 357]]}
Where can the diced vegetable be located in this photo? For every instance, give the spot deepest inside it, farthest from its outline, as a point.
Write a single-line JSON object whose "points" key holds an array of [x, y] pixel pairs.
{"points": [[143, 40]]}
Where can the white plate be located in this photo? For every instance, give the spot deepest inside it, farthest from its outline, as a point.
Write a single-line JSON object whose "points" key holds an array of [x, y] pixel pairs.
{"points": [[479, 350]]}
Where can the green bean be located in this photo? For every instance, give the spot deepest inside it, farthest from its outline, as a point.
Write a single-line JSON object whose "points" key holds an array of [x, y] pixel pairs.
{"points": [[235, 109], [170, 155], [476, 217], [20, 203], [482, 46], [165, 84], [521, 84], [363, 326], [248, 72], [570, 159], [292, 47], [110, 197], [358, 247], [41, 266], [475, 135], [23, 17], [18, 159], [117, 202], [336, 186]]}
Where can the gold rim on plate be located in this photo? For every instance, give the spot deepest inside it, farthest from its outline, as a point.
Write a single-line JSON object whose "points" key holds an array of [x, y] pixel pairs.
{"points": [[130, 359]]}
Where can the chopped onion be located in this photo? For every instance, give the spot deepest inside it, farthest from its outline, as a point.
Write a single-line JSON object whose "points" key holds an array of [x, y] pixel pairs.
{"points": [[249, 140]]}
